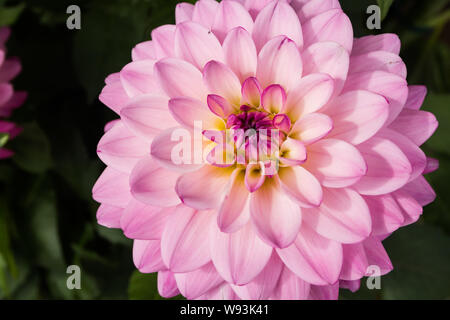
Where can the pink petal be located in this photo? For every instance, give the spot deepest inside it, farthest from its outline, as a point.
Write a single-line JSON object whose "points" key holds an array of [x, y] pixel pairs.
{"points": [[145, 222], [240, 53], [222, 292], [147, 116], [388, 167], [251, 92], [184, 242], [205, 12], [411, 208], [221, 80], [311, 128], [378, 60], [383, 42], [279, 62], [277, 218], [292, 152], [147, 256], [154, 185], [416, 125], [332, 25], [330, 58], [273, 99], [353, 286], [315, 7], [357, 115], [254, 176], [197, 44], [167, 287], [376, 255], [240, 256], [219, 106], [114, 96], [6, 92], [420, 190], [432, 165], [234, 212], [112, 188], [311, 93], [179, 78], [10, 68], [144, 51], [335, 163], [394, 88], [203, 189], [196, 283], [264, 284], [230, 15], [121, 149], [416, 96], [183, 12], [163, 41], [386, 214], [137, 78], [301, 185], [290, 287], [187, 111], [313, 258], [324, 292], [343, 216], [277, 19], [355, 263], [109, 216]]}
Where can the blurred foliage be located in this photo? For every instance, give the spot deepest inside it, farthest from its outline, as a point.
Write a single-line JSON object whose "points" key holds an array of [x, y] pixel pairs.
{"points": [[47, 216]]}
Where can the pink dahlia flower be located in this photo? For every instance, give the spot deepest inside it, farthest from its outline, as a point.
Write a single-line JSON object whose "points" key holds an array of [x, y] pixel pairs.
{"points": [[9, 99], [343, 168]]}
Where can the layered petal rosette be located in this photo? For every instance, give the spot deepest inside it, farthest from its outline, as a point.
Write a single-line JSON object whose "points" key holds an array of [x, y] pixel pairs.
{"points": [[9, 99], [262, 152]]}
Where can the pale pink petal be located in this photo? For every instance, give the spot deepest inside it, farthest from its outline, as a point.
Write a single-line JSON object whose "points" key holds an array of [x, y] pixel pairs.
{"points": [[184, 242], [262, 287], [411, 208], [137, 78], [196, 283], [355, 263], [416, 96], [234, 212], [386, 214], [301, 185], [343, 216], [144, 222], [290, 287], [220, 106], [230, 15], [221, 292], [388, 167], [376, 255], [251, 92], [420, 190], [378, 60], [147, 116], [310, 94], [179, 78], [357, 115], [154, 185], [432, 165], [205, 12], [121, 149], [254, 176], [240, 53], [277, 218], [292, 152], [147, 256], [313, 258], [112, 188], [204, 189], [394, 88], [109, 216], [167, 287], [240, 256], [273, 99], [330, 58], [279, 62], [114, 96], [335, 163], [277, 19], [332, 25], [417, 125], [311, 128], [163, 41], [222, 81], [183, 12], [315, 7], [255, 6], [144, 51], [197, 44], [382, 42], [187, 111]]}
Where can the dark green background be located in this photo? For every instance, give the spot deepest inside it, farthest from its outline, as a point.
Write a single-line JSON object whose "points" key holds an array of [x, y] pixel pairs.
{"points": [[47, 216]]}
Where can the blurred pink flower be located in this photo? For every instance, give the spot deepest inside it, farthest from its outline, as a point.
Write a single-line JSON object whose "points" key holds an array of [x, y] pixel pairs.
{"points": [[9, 99], [350, 168]]}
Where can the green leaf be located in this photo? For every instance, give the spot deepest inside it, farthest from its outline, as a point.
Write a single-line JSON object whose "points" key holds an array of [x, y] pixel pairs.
{"points": [[9, 15], [439, 104], [421, 256], [115, 236], [32, 149], [143, 286], [384, 5], [3, 139]]}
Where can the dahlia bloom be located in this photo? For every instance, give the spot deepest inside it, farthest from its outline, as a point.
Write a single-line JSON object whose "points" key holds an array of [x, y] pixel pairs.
{"points": [[9, 99], [301, 220]]}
